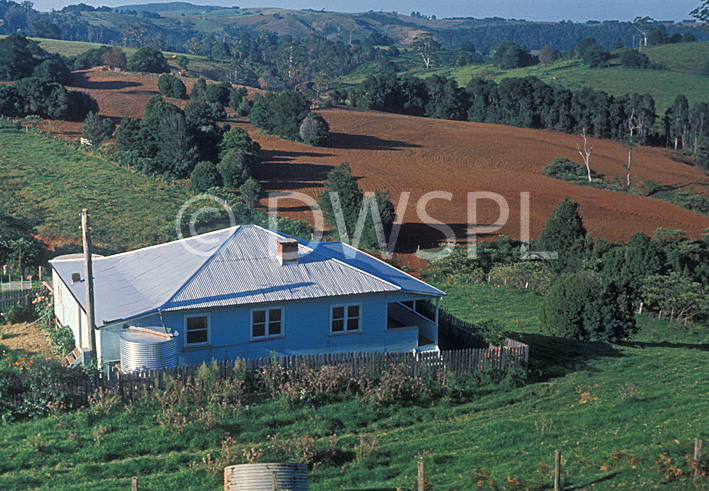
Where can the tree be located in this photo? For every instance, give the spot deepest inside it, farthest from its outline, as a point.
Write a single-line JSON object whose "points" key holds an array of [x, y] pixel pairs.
{"points": [[702, 13], [676, 295], [238, 139], [218, 93], [96, 129], [619, 44], [586, 153], [352, 213], [249, 192], [114, 58], [630, 143], [565, 235], [261, 114], [643, 25], [171, 86], [149, 60], [47, 30], [510, 55], [583, 306], [18, 57], [204, 176], [314, 130], [236, 167], [182, 62], [658, 36], [199, 114], [427, 47], [198, 89], [548, 56], [53, 70], [176, 155], [289, 109]]}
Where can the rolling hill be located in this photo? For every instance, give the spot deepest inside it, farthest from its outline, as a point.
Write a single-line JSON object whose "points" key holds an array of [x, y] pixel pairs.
{"points": [[418, 155]]}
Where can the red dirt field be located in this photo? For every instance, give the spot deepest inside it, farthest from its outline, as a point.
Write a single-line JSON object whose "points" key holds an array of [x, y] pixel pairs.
{"points": [[419, 155]]}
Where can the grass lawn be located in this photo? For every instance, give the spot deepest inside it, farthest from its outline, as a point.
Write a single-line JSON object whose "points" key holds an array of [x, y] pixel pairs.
{"points": [[614, 411], [50, 183]]}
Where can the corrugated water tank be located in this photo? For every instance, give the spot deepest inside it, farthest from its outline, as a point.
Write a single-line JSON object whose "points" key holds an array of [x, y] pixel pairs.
{"points": [[259, 477], [144, 351]]}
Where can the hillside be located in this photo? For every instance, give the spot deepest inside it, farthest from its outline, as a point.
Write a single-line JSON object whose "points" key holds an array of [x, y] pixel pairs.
{"points": [[617, 412], [683, 62], [485, 33], [417, 155]]}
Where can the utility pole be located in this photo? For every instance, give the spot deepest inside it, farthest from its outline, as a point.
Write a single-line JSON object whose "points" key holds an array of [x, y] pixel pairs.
{"points": [[89, 274]]}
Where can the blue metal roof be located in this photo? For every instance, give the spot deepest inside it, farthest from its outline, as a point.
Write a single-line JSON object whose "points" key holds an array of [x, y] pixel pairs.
{"points": [[235, 266]]}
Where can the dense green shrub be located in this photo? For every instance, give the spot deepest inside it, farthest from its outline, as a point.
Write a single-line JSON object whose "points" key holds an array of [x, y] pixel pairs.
{"points": [[564, 234], [96, 129], [314, 130], [236, 167], [583, 306], [204, 176], [237, 139], [147, 59], [218, 93], [565, 170], [171, 86], [455, 268], [53, 70]]}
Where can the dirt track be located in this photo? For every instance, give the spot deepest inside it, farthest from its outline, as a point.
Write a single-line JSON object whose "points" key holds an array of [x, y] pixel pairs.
{"points": [[418, 155]]}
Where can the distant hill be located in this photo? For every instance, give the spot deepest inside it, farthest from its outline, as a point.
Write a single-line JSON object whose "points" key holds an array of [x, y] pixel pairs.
{"points": [[172, 25], [168, 7]]}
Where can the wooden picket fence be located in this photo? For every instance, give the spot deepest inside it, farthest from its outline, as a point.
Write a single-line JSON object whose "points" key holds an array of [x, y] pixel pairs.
{"points": [[131, 387]]}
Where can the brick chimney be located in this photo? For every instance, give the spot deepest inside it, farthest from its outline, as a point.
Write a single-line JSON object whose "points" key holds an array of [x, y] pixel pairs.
{"points": [[287, 251]]}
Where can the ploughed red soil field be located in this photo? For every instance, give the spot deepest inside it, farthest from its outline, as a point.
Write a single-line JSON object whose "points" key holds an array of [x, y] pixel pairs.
{"points": [[405, 154]]}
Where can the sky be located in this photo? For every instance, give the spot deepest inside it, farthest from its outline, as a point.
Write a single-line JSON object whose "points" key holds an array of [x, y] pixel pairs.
{"points": [[538, 10]]}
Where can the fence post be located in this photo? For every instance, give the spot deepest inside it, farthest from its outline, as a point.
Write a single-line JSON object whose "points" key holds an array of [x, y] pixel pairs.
{"points": [[134, 485], [420, 476], [697, 455], [557, 470], [274, 476]]}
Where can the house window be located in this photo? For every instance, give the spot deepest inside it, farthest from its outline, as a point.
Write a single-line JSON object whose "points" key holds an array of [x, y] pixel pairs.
{"points": [[345, 318], [266, 323], [196, 330]]}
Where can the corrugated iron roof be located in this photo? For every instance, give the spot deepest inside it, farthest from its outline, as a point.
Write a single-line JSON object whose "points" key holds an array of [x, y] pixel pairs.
{"points": [[235, 266]]}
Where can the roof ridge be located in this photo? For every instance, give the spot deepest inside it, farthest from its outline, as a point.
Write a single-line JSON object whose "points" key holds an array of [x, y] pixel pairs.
{"points": [[389, 265], [202, 266]]}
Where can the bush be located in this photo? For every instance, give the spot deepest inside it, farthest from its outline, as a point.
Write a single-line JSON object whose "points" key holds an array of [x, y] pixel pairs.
{"points": [[96, 129], [149, 60], [456, 269], [204, 176], [218, 93], [171, 86], [532, 275], [314, 130], [237, 139], [53, 70], [583, 306], [236, 167], [565, 170]]}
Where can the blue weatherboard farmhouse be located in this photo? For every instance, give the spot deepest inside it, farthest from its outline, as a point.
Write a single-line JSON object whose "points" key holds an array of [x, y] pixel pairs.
{"points": [[248, 292]]}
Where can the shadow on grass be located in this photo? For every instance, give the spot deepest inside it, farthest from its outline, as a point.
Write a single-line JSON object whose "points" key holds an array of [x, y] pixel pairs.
{"points": [[665, 344], [592, 483], [551, 357]]}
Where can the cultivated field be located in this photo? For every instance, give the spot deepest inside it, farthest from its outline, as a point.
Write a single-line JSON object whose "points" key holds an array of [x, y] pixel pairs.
{"points": [[418, 155]]}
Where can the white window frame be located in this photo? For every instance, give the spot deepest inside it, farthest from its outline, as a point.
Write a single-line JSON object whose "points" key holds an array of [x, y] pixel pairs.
{"points": [[346, 306], [209, 330], [267, 335]]}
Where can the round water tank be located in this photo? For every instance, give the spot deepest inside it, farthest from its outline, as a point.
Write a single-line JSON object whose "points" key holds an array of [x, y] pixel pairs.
{"points": [[145, 351], [259, 477]]}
